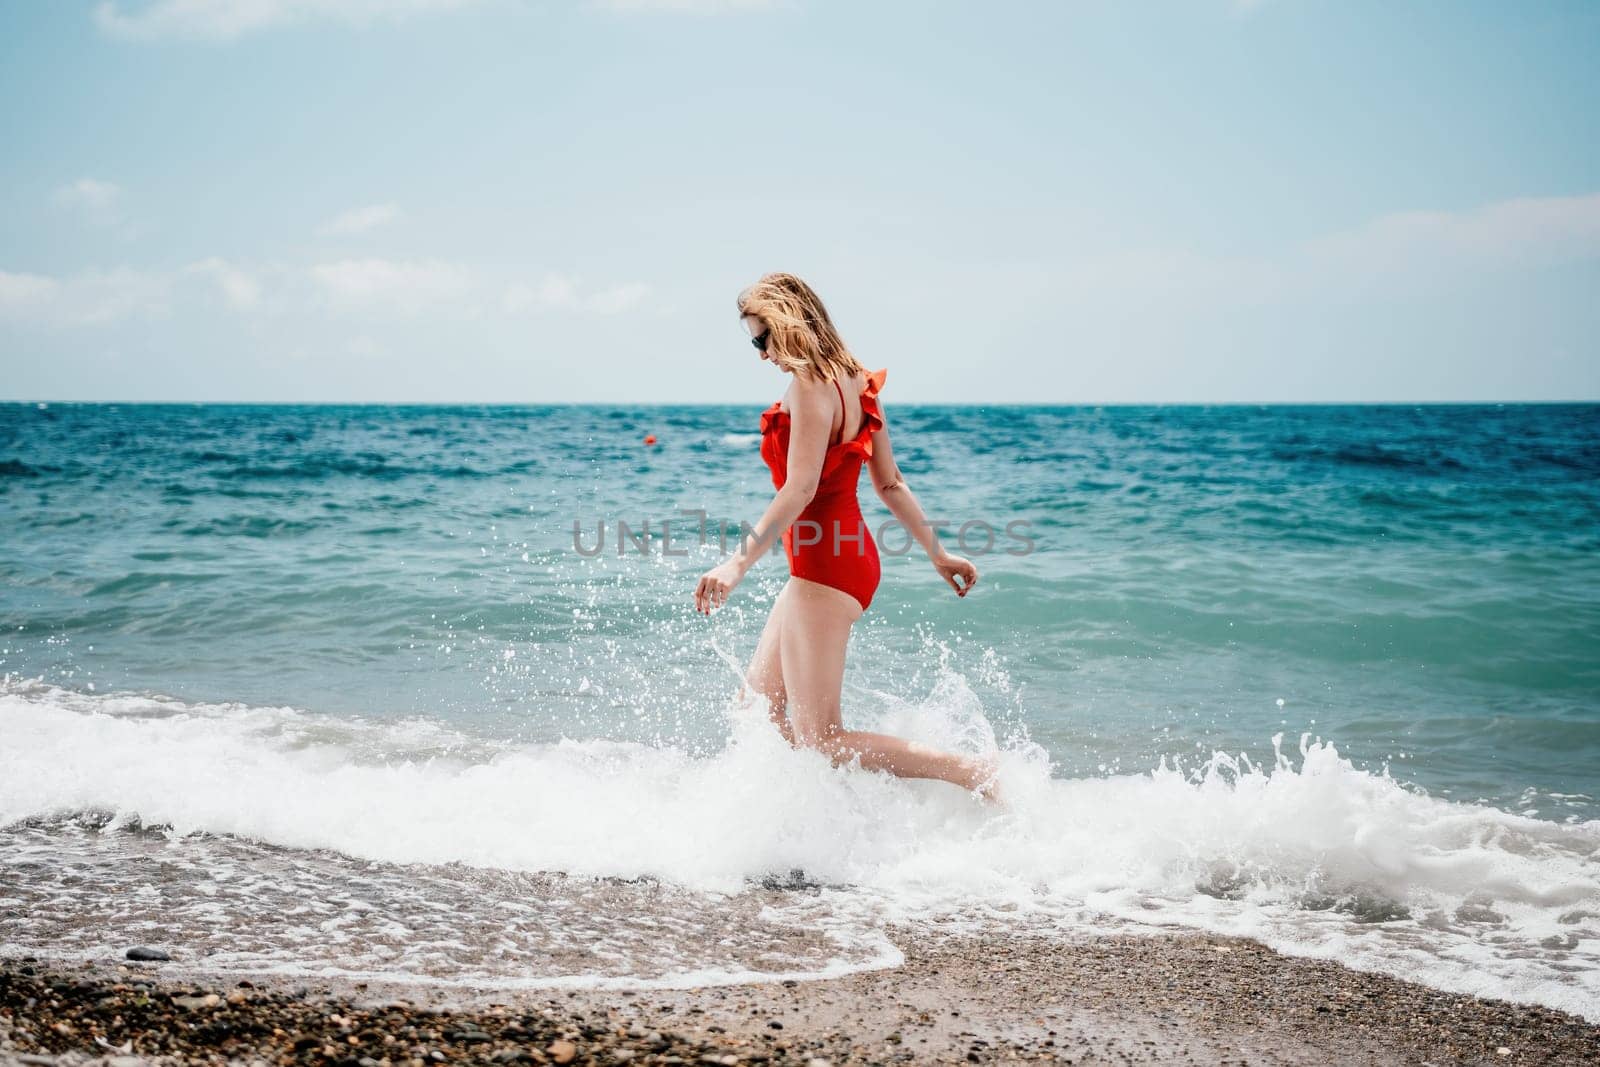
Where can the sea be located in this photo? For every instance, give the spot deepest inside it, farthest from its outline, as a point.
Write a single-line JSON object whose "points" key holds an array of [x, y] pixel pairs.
{"points": [[419, 693]]}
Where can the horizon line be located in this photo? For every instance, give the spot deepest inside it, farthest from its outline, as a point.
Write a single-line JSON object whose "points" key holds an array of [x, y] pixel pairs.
{"points": [[754, 403]]}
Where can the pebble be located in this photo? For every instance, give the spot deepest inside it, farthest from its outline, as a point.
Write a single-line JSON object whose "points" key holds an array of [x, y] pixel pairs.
{"points": [[147, 954], [209, 1000]]}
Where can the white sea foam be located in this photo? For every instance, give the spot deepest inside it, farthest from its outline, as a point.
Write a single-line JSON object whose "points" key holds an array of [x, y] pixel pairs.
{"points": [[1310, 855]]}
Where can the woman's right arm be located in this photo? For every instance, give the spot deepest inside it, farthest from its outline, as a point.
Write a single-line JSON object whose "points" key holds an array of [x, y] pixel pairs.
{"points": [[892, 489]]}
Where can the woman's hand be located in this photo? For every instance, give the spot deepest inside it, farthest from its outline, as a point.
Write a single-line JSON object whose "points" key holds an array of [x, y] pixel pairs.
{"points": [[715, 585], [951, 567]]}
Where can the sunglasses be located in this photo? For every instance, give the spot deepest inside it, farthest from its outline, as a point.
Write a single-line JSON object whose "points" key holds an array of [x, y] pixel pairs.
{"points": [[761, 342]]}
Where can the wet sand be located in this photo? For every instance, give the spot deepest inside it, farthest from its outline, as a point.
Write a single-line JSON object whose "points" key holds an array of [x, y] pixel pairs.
{"points": [[1122, 999]]}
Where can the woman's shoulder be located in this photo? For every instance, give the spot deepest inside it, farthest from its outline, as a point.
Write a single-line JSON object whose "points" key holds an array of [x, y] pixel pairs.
{"points": [[813, 394], [810, 389], [817, 392]]}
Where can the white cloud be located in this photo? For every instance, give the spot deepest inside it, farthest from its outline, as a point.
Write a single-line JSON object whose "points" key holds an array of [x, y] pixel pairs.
{"points": [[101, 297], [82, 300], [1509, 234], [1393, 257], [362, 219], [20, 293], [1401, 253], [618, 298], [240, 289], [411, 285], [553, 291], [559, 292], [96, 200], [357, 287], [225, 20]]}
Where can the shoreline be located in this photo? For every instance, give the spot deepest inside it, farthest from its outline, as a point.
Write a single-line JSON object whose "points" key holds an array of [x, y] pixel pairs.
{"points": [[957, 998]]}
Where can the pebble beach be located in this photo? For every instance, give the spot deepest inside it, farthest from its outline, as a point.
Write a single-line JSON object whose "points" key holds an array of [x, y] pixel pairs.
{"points": [[1119, 999]]}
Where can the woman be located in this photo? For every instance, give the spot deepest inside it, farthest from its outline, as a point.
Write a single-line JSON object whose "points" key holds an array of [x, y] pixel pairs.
{"points": [[815, 440]]}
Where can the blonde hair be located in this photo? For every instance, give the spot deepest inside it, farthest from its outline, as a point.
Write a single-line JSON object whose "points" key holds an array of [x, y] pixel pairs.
{"points": [[802, 339]]}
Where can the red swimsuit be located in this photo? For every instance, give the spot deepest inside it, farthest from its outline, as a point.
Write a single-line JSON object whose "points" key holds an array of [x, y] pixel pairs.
{"points": [[830, 542]]}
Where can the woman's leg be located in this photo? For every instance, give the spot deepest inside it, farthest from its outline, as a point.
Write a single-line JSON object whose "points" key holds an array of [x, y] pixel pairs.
{"points": [[812, 636], [765, 675]]}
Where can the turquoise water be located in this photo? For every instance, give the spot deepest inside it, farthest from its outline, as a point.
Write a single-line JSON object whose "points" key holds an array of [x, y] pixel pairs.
{"points": [[1419, 584], [1416, 590]]}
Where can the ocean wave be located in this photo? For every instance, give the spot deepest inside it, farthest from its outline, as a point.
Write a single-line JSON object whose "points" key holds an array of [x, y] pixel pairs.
{"points": [[1307, 853]]}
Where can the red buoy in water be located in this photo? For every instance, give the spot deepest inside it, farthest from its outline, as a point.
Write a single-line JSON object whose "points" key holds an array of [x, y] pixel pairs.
{"points": [[649, 438]]}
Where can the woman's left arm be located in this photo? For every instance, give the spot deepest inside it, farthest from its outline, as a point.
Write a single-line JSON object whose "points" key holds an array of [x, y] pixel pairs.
{"points": [[810, 419], [902, 503]]}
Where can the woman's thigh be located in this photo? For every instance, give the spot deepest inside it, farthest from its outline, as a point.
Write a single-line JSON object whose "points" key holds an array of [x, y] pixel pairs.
{"points": [[812, 638], [765, 674]]}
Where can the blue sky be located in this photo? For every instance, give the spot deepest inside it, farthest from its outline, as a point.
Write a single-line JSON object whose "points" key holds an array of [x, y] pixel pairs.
{"points": [[558, 200]]}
